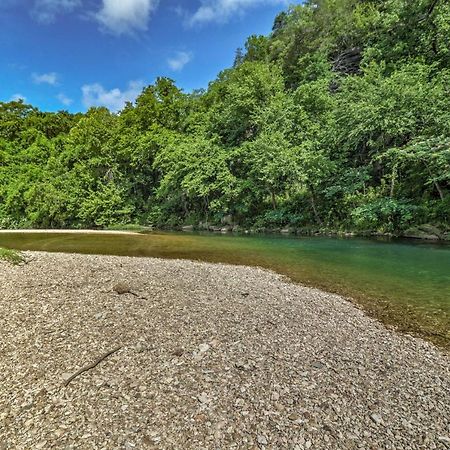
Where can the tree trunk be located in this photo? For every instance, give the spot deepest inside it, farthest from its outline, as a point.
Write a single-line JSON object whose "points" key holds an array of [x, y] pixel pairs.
{"points": [[184, 205], [439, 189], [435, 182], [274, 200], [207, 209], [313, 204], [432, 7], [393, 180]]}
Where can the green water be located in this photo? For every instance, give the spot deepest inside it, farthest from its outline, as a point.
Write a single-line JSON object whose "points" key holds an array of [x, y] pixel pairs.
{"points": [[403, 283]]}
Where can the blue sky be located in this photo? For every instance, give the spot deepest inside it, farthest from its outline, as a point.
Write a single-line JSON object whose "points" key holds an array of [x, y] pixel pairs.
{"points": [[73, 54]]}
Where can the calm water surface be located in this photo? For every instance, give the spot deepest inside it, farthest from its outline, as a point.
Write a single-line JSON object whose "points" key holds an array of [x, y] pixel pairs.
{"points": [[403, 283]]}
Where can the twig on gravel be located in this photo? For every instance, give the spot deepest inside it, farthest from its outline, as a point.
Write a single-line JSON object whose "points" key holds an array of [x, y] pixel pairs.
{"points": [[90, 366], [122, 288]]}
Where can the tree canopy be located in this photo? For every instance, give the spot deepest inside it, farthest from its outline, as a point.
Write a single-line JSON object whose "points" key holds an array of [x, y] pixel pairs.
{"points": [[338, 119]]}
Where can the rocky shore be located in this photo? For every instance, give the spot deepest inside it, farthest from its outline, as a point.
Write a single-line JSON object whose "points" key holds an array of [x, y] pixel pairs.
{"points": [[102, 352], [422, 232]]}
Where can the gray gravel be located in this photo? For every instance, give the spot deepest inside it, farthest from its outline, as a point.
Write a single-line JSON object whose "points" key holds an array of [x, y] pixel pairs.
{"points": [[212, 357]]}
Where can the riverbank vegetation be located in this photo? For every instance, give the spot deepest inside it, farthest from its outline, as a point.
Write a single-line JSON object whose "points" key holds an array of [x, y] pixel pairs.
{"points": [[10, 255], [339, 119]]}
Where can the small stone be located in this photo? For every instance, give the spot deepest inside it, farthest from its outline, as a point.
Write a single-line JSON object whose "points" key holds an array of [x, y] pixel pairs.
{"points": [[147, 441], [59, 432], [246, 366], [203, 398], [28, 406], [294, 417], [203, 348], [65, 376], [140, 347], [201, 418], [318, 365], [121, 288], [262, 440], [178, 352], [240, 365], [308, 444], [376, 418]]}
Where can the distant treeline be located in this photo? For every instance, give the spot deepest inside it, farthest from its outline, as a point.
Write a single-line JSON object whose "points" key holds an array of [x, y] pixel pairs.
{"points": [[339, 119]]}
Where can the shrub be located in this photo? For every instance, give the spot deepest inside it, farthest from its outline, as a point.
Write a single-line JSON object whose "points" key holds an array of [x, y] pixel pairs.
{"points": [[384, 214]]}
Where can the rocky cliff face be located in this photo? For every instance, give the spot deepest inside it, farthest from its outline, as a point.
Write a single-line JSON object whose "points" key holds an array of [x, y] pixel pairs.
{"points": [[348, 62]]}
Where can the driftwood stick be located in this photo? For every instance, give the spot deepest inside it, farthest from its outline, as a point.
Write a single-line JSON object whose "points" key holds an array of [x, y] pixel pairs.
{"points": [[90, 366]]}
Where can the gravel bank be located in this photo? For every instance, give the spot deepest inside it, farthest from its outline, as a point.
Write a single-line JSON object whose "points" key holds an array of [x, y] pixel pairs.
{"points": [[211, 357]]}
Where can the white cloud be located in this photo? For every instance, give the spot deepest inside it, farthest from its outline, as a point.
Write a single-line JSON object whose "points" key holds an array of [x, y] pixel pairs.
{"points": [[66, 101], [115, 99], [17, 97], [222, 10], [125, 16], [45, 78], [45, 11], [178, 61]]}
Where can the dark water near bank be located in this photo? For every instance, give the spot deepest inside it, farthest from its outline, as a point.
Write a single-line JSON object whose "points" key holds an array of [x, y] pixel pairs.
{"points": [[403, 283]]}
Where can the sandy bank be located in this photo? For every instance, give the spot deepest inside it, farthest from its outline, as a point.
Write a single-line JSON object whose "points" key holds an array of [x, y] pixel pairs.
{"points": [[69, 231], [212, 357]]}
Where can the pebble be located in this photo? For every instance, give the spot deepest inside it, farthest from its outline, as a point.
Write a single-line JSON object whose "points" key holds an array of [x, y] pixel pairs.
{"points": [[178, 352], [318, 365], [203, 348], [203, 398], [376, 418], [262, 440]]}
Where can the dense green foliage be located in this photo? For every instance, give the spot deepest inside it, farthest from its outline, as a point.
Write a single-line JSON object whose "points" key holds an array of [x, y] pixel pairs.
{"points": [[339, 119]]}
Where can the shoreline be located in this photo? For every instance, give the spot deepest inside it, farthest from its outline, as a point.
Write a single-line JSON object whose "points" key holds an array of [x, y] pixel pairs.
{"points": [[393, 316], [205, 348], [288, 232], [67, 231]]}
